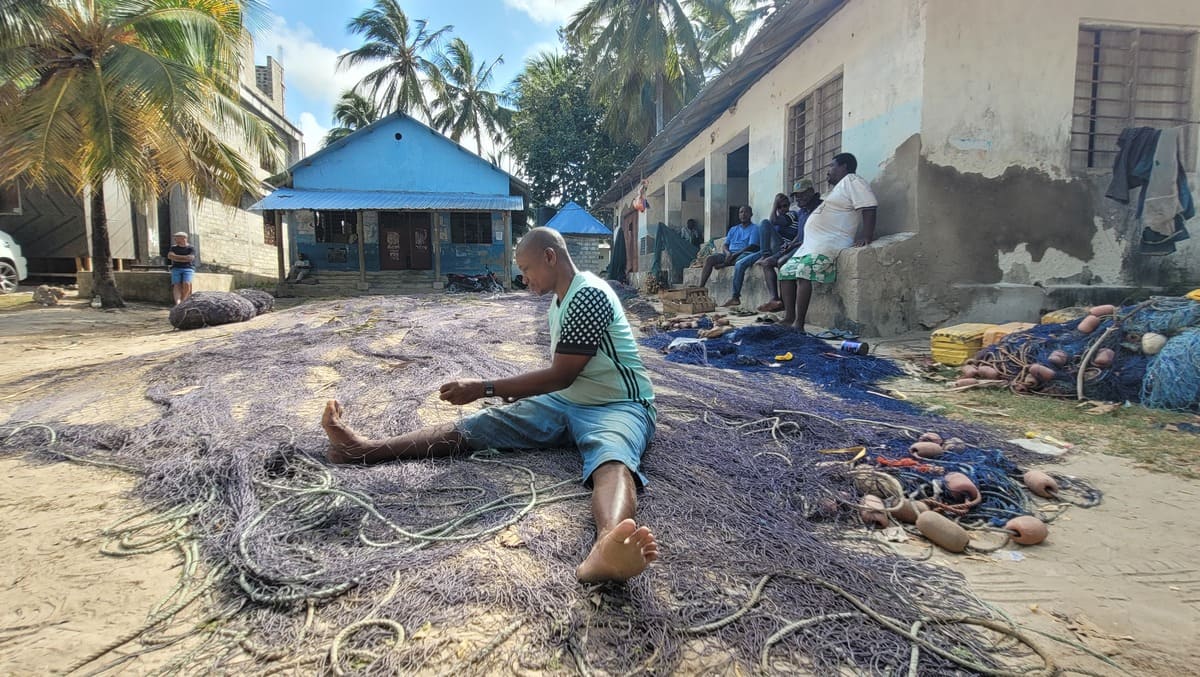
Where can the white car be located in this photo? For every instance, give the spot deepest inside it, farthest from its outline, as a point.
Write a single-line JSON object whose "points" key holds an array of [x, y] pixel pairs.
{"points": [[13, 268]]}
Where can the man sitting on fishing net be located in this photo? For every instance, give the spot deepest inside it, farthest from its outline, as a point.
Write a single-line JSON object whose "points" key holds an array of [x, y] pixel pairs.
{"points": [[595, 396]]}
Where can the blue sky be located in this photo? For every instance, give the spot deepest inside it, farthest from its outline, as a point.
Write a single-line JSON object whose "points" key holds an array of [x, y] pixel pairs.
{"points": [[310, 34]]}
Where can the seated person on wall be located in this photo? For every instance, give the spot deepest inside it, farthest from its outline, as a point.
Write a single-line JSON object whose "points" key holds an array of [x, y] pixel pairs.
{"points": [[595, 395], [804, 201], [827, 232], [741, 250], [300, 269]]}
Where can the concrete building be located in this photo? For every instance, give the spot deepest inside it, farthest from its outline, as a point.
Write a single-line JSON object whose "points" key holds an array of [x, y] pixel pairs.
{"points": [[392, 208], [987, 131], [53, 227]]}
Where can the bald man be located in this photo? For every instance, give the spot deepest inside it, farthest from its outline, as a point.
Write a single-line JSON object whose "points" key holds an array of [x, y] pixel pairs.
{"points": [[595, 396]]}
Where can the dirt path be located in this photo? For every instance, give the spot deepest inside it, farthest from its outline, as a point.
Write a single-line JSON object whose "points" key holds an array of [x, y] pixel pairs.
{"points": [[1121, 579]]}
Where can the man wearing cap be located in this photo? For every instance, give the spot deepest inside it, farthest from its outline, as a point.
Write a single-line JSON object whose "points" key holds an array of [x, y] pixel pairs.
{"points": [[829, 230], [804, 200]]}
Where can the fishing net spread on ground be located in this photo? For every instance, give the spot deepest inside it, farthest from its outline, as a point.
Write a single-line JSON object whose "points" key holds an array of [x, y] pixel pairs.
{"points": [[466, 565], [212, 308]]}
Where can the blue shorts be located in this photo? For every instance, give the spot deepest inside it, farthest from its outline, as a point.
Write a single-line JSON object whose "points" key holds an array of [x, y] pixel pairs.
{"points": [[182, 275], [620, 431]]}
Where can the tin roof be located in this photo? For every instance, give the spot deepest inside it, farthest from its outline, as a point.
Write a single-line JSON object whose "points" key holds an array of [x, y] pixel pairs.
{"points": [[574, 220], [293, 198], [782, 32]]}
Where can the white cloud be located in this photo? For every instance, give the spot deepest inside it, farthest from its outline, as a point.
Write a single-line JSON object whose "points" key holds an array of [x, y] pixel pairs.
{"points": [[314, 133], [310, 69], [553, 12]]}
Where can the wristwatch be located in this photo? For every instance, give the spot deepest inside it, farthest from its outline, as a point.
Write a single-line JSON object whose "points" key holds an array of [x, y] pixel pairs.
{"points": [[489, 389]]}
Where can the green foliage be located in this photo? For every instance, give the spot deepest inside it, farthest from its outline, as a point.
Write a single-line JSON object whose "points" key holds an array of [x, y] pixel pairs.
{"points": [[464, 103], [353, 111], [557, 136], [409, 52]]}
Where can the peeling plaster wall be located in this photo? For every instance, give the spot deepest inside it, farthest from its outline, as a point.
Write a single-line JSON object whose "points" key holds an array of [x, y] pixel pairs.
{"points": [[996, 135]]}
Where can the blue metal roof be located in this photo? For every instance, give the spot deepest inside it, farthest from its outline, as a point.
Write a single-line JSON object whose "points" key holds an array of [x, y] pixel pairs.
{"points": [[573, 220], [292, 198]]}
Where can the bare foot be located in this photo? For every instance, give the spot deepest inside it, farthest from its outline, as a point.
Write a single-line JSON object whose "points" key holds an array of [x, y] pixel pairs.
{"points": [[345, 445], [619, 555]]}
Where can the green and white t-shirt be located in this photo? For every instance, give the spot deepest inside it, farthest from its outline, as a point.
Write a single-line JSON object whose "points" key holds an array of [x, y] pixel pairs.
{"points": [[590, 321]]}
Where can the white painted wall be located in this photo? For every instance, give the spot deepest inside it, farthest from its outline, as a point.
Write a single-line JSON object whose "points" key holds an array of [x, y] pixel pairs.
{"points": [[880, 46]]}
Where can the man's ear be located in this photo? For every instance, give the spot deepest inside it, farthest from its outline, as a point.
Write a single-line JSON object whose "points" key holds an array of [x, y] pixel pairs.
{"points": [[551, 256]]}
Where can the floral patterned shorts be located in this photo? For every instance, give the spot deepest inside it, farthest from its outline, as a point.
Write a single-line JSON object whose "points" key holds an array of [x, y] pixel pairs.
{"points": [[815, 267]]}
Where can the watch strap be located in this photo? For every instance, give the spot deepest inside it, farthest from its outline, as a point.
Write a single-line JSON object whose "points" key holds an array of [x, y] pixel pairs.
{"points": [[489, 389]]}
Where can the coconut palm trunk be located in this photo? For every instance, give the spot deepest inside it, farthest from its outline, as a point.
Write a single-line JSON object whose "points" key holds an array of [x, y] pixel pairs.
{"points": [[104, 284]]}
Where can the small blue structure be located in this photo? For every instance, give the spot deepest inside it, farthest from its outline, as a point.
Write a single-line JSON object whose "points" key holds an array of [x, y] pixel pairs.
{"points": [[397, 196], [574, 220], [587, 237]]}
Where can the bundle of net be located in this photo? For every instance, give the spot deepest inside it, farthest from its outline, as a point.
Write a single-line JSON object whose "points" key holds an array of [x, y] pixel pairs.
{"points": [[467, 564], [1047, 359], [786, 351]]}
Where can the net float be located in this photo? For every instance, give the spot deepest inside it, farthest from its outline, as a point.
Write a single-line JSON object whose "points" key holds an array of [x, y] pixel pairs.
{"points": [[1058, 358], [965, 382], [926, 450], [1103, 311], [1041, 372], [969, 371], [987, 373], [1104, 357], [1152, 343], [873, 511], [1089, 324], [930, 437], [1041, 483], [1029, 530], [961, 485], [942, 532], [908, 510], [954, 444]]}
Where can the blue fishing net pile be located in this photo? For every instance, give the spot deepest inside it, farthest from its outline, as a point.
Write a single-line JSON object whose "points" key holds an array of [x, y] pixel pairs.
{"points": [[1168, 380], [753, 349], [996, 476]]}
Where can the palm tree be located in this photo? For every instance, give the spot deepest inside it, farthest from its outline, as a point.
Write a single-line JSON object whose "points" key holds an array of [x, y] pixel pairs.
{"points": [[408, 49], [141, 92], [352, 112], [723, 27], [463, 103], [644, 51]]}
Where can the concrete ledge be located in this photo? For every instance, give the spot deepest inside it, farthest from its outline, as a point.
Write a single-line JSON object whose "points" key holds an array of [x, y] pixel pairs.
{"points": [[154, 286], [865, 276]]}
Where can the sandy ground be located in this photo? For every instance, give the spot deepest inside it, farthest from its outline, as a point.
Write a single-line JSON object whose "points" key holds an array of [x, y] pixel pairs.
{"points": [[1122, 579]]}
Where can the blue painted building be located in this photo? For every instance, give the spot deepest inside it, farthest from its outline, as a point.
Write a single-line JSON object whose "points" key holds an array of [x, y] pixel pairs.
{"points": [[397, 196]]}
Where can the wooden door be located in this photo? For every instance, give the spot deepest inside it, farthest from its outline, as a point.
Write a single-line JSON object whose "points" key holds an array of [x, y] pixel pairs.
{"points": [[405, 241], [630, 224]]}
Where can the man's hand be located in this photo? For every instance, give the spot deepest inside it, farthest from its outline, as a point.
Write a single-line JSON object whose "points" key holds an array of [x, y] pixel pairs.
{"points": [[463, 391]]}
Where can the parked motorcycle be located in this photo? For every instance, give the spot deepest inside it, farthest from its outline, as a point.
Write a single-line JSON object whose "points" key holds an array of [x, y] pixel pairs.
{"points": [[487, 282]]}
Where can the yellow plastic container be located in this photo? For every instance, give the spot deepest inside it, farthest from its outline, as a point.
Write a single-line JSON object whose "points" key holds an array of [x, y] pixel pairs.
{"points": [[1194, 295], [992, 336], [1064, 315], [955, 345]]}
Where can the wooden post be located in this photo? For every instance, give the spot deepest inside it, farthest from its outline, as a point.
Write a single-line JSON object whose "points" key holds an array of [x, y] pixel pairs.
{"points": [[281, 263], [362, 253]]}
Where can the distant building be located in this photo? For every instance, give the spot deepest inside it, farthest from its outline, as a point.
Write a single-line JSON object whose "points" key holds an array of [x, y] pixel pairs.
{"points": [[52, 226], [394, 207], [986, 129], [588, 240]]}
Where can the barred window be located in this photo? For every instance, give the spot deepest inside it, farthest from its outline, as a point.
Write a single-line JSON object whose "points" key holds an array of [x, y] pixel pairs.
{"points": [[1130, 77], [471, 227], [815, 132], [335, 227]]}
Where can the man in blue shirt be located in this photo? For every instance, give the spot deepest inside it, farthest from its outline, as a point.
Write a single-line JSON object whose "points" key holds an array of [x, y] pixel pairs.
{"points": [[740, 250]]}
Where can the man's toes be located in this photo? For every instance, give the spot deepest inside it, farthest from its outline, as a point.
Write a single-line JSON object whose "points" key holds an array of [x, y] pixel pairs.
{"points": [[624, 530], [638, 535]]}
